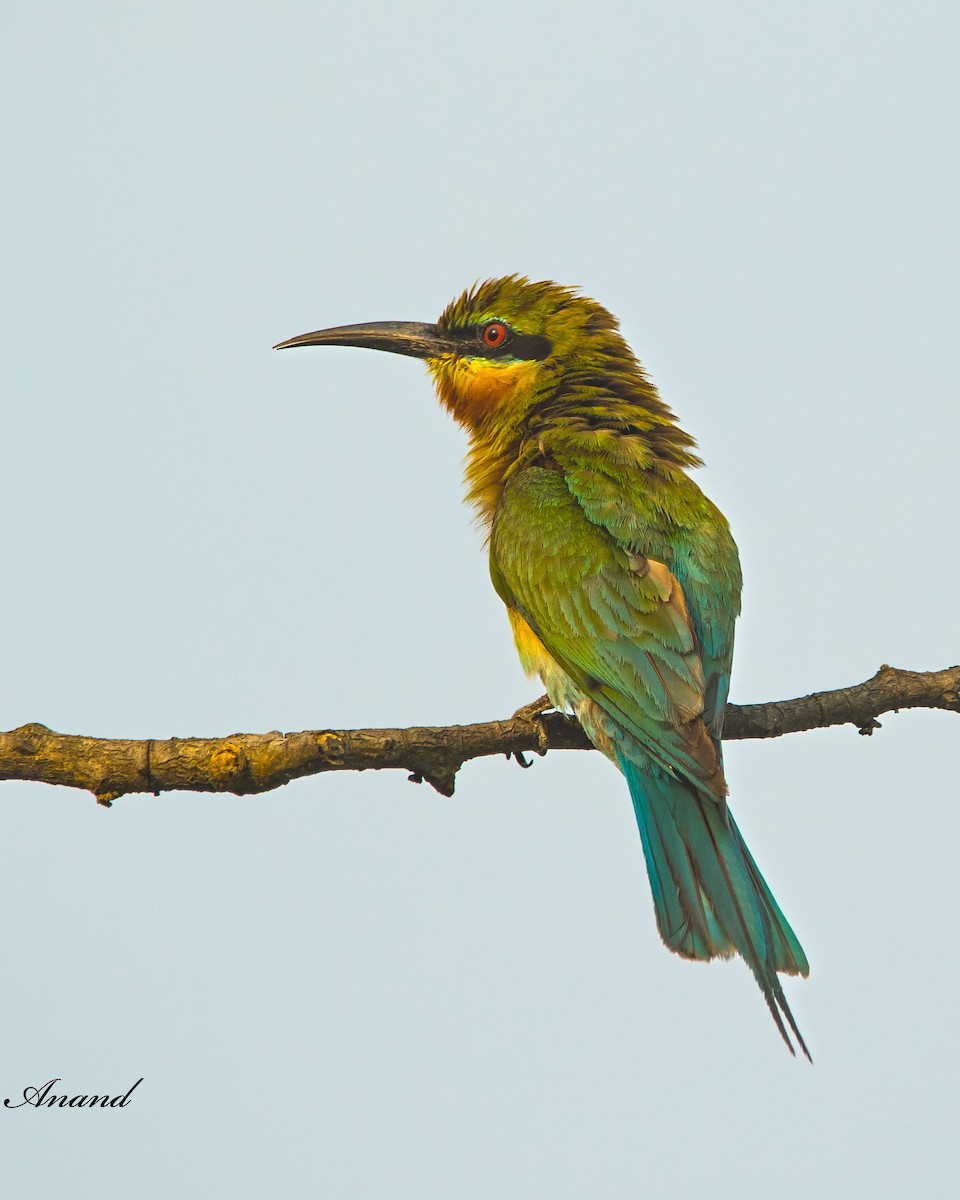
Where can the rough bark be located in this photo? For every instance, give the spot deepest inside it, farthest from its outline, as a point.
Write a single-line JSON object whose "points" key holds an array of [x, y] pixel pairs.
{"points": [[247, 763]]}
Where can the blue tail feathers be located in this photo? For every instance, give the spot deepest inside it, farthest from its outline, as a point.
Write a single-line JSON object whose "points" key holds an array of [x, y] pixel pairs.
{"points": [[711, 900]]}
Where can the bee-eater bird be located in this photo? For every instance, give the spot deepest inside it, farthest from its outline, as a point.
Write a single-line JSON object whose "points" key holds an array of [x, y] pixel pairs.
{"points": [[621, 581]]}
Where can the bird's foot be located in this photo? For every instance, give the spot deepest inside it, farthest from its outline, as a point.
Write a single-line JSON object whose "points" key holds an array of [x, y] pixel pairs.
{"points": [[533, 713], [533, 710]]}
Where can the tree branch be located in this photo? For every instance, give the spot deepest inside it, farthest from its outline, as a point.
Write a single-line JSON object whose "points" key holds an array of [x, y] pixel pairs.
{"points": [[248, 763]]}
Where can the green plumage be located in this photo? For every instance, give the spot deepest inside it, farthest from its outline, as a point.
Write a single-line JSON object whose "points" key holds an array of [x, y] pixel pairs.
{"points": [[622, 582]]}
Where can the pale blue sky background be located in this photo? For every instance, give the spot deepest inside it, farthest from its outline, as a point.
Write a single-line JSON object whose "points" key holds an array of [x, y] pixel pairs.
{"points": [[353, 987]]}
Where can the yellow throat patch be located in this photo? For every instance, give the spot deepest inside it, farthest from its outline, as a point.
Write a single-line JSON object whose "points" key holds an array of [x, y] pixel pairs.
{"points": [[472, 388]]}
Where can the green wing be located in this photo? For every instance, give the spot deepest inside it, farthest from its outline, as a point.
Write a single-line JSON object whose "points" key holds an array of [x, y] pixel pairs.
{"points": [[663, 514], [613, 618]]}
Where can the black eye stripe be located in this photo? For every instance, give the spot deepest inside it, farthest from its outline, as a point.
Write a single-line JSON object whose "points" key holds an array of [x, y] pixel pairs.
{"points": [[529, 346], [526, 346]]}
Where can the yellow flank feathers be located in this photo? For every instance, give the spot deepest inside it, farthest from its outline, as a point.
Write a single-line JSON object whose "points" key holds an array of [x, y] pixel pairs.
{"points": [[536, 660], [533, 654]]}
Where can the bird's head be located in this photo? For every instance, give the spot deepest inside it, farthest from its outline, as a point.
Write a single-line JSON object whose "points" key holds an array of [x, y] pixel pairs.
{"points": [[498, 346]]}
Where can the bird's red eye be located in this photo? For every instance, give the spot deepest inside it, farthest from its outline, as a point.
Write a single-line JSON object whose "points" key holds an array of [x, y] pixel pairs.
{"points": [[495, 334]]}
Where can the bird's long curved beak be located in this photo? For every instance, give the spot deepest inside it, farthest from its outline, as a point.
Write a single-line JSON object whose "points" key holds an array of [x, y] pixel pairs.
{"points": [[396, 337]]}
